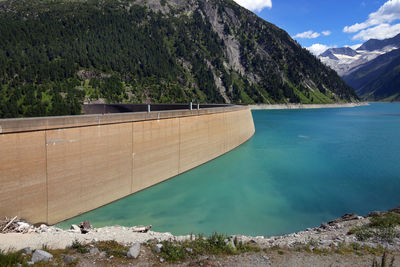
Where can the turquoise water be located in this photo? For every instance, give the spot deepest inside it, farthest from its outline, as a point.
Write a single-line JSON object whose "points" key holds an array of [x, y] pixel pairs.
{"points": [[301, 168]]}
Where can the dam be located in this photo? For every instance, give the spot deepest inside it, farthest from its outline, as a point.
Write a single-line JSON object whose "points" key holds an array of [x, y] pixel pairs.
{"points": [[55, 168]]}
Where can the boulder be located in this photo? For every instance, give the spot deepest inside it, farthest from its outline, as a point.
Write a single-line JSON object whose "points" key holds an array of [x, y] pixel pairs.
{"points": [[324, 226], [41, 255], [68, 259], [85, 227], [157, 248], [344, 218], [23, 227], [93, 251], [75, 228], [134, 251], [27, 251]]}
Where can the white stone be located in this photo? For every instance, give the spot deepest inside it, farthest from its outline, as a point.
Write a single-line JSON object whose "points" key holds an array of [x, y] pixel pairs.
{"points": [[134, 251], [40, 255]]}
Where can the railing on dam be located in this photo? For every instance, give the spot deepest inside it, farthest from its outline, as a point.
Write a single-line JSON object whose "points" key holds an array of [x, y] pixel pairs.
{"points": [[54, 168], [122, 108]]}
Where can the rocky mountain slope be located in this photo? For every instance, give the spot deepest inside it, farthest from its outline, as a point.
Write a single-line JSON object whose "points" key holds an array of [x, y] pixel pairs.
{"points": [[56, 54], [378, 79], [346, 60], [372, 69]]}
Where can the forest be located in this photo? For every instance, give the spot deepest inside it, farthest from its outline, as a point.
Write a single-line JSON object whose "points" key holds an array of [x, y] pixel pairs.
{"points": [[56, 55]]}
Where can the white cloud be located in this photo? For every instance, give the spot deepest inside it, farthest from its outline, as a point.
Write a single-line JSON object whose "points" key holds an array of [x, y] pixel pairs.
{"points": [[318, 49], [255, 5], [389, 12], [326, 33], [307, 35], [382, 31]]}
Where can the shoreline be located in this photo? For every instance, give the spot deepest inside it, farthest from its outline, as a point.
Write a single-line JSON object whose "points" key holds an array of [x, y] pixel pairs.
{"points": [[350, 240], [327, 234], [306, 106]]}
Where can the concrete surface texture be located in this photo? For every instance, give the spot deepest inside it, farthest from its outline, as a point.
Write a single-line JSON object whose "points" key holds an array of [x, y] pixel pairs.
{"points": [[56, 172]]}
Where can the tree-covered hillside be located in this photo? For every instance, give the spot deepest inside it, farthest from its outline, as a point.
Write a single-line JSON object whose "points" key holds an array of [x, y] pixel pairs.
{"points": [[57, 54]]}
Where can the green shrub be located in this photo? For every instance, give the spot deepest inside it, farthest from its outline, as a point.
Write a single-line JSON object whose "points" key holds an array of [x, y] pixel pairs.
{"points": [[386, 221], [10, 258], [112, 248], [199, 245], [79, 247], [380, 227]]}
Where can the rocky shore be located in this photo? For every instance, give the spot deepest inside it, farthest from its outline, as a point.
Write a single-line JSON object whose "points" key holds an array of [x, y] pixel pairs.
{"points": [[371, 234], [305, 106]]}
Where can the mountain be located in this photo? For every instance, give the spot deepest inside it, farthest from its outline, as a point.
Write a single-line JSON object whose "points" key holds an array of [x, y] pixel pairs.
{"points": [[371, 69], [345, 51], [56, 54], [374, 44], [345, 60], [379, 79]]}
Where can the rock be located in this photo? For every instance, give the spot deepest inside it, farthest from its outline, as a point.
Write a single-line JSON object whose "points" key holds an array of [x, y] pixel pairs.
{"points": [[43, 228], [344, 218], [93, 251], [229, 242], [30, 263], [27, 251], [85, 227], [157, 248], [189, 250], [75, 228], [141, 228], [23, 227], [134, 251], [68, 259], [162, 260], [324, 226], [40, 255]]}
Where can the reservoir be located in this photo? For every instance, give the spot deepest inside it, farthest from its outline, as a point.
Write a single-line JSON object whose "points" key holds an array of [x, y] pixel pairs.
{"points": [[301, 168]]}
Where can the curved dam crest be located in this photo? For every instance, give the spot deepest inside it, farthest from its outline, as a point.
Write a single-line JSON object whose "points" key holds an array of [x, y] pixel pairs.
{"points": [[55, 168]]}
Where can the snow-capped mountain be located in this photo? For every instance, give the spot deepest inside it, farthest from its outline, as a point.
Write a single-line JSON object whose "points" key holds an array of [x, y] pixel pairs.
{"points": [[346, 60]]}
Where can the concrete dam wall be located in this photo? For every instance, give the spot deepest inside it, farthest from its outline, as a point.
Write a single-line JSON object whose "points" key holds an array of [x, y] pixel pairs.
{"points": [[55, 168]]}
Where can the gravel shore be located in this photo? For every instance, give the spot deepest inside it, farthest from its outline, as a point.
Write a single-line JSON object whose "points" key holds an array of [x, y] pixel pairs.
{"points": [[331, 234], [320, 246]]}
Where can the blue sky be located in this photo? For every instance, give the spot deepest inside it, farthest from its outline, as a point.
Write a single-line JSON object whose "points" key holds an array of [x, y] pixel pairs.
{"points": [[320, 24]]}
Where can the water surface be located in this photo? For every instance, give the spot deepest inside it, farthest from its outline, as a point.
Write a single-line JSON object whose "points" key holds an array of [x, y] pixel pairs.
{"points": [[301, 168]]}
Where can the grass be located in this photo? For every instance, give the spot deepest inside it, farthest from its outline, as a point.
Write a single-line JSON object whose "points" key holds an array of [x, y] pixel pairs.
{"points": [[11, 258], [79, 247], [112, 248], [380, 228], [216, 244], [383, 262]]}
